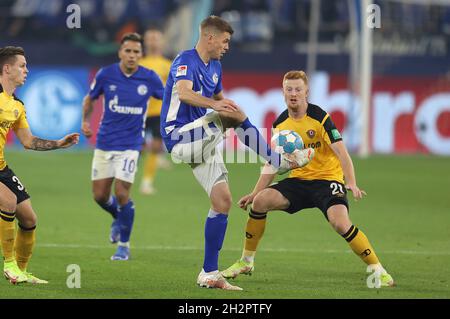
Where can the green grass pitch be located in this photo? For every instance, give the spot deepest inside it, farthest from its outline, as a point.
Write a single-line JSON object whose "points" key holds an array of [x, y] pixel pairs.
{"points": [[405, 215]]}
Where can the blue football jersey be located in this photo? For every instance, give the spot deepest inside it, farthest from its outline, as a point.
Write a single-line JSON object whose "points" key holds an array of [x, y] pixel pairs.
{"points": [[207, 81], [125, 106]]}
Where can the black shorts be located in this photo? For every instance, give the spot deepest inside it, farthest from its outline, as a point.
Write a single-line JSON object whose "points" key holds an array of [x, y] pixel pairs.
{"points": [[152, 126], [309, 194], [11, 181]]}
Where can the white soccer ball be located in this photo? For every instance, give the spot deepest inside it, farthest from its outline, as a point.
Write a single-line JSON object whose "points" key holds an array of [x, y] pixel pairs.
{"points": [[286, 141]]}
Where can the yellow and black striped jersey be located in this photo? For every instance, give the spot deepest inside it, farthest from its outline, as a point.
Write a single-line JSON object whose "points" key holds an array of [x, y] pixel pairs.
{"points": [[317, 131], [161, 66], [12, 115]]}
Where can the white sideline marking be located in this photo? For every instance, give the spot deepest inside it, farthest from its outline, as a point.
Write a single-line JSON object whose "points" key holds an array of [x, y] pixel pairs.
{"points": [[277, 250]]}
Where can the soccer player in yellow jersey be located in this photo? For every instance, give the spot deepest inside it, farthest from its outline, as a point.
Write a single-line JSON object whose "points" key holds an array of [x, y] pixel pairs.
{"points": [[14, 199], [323, 183], [154, 60]]}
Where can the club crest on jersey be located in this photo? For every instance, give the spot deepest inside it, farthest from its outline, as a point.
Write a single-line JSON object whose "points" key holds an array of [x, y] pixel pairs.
{"points": [[142, 89], [215, 78], [16, 113], [181, 70], [311, 133]]}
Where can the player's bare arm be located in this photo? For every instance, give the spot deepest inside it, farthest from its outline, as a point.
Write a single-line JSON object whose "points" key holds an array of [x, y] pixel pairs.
{"points": [[88, 107], [31, 142], [347, 166], [263, 182], [187, 95]]}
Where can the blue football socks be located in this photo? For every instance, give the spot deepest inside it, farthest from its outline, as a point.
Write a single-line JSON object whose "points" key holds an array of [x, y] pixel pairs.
{"points": [[126, 219], [215, 228], [111, 206]]}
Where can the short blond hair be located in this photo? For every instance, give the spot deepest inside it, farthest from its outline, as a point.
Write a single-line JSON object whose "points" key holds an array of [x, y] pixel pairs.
{"points": [[295, 75]]}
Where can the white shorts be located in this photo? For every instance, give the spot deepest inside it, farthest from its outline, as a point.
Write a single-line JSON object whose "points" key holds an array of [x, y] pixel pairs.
{"points": [[203, 154], [118, 164]]}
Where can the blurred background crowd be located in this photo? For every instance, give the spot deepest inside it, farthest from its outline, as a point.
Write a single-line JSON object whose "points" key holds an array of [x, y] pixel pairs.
{"points": [[260, 25]]}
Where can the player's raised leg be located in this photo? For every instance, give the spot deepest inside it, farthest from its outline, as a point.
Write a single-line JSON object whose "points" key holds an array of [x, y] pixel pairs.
{"points": [[358, 242], [249, 135]]}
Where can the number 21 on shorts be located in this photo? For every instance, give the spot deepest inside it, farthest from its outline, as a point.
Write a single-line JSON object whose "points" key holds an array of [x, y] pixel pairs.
{"points": [[336, 189]]}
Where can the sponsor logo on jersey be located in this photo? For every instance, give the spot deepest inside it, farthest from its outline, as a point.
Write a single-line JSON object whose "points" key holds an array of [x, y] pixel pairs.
{"points": [[181, 70], [116, 108], [215, 78], [313, 145], [112, 87], [16, 113], [311, 133], [6, 125]]}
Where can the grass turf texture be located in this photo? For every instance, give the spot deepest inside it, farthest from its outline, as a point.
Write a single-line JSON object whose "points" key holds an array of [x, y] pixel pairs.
{"points": [[405, 216]]}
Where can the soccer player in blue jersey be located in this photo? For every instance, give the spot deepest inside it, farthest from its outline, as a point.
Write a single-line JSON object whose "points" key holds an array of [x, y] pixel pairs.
{"points": [[126, 88], [192, 135]]}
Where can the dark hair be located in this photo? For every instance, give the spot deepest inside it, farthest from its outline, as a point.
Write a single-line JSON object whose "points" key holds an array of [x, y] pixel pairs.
{"points": [[216, 23], [8, 55], [136, 37]]}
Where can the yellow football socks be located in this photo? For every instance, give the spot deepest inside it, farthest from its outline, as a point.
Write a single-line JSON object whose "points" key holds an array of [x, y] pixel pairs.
{"points": [[360, 245], [254, 231], [151, 163], [25, 240], [7, 233]]}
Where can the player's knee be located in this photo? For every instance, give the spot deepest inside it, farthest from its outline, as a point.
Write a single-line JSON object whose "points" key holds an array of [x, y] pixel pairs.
{"points": [[223, 203], [260, 203], [27, 221], [101, 198], [340, 224], [240, 116]]}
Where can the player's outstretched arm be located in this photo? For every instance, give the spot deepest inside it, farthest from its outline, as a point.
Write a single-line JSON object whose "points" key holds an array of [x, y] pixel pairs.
{"points": [[264, 181], [31, 142], [347, 166]]}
